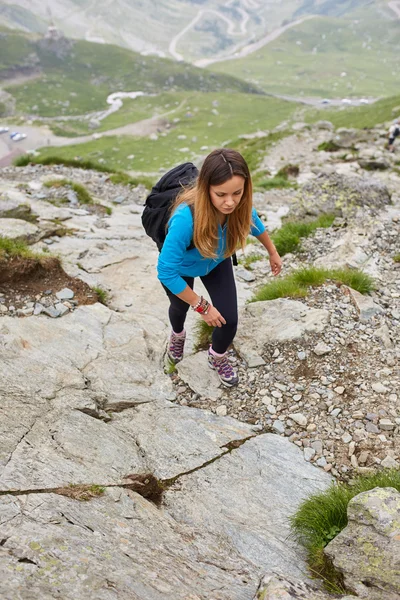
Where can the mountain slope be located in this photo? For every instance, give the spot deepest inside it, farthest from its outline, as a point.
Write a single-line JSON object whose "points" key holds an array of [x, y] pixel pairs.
{"points": [[72, 78], [191, 29]]}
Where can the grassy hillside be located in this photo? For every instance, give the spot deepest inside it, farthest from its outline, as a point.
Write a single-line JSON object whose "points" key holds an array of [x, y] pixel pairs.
{"points": [[359, 117], [151, 25], [327, 57], [79, 81], [203, 122]]}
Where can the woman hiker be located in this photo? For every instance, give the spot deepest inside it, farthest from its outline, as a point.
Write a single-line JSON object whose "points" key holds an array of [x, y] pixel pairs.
{"points": [[216, 213]]}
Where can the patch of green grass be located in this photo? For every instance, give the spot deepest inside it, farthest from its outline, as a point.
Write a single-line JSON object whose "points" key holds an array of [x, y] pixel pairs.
{"points": [[329, 146], [51, 159], [248, 260], [357, 280], [81, 192], [396, 258], [203, 131], [359, 117], [320, 518], [125, 179], [102, 294], [288, 237], [108, 210], [15, 249], [297, 283], [169, 367], [203, 335]]}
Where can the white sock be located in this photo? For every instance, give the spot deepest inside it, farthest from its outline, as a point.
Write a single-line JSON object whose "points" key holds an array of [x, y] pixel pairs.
{"points": [[216, 353], [181, 334]]}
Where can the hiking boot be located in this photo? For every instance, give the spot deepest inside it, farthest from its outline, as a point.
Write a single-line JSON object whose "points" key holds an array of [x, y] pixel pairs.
{"points": [[175, 346], [224, 368]]}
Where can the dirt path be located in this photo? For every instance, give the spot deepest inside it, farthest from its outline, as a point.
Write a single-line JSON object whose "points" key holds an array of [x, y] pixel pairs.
{"points": [[37, 137], [250, 48]]}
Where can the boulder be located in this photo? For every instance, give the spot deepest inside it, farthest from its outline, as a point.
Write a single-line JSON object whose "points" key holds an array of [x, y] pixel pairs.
{"points": [[274, 321], [341, 195], [16, 229], [281, 586], [367, 551], [15, 210]]}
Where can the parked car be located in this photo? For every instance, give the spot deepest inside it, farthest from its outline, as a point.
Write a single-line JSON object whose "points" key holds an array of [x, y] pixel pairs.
{"points": [[3, 129], [325, 101], [18, 137], [364, 101], [346, 101]]}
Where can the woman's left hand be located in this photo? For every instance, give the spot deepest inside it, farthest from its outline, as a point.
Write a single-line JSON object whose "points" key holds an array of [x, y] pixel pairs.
{"points": [[276, 263]]}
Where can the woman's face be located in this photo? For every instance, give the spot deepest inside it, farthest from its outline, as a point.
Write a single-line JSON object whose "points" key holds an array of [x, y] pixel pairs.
{"points": [[226, 197]]}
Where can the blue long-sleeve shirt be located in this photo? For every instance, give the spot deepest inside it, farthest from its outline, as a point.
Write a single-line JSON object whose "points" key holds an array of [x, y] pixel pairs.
{"points": [[176, 261]]}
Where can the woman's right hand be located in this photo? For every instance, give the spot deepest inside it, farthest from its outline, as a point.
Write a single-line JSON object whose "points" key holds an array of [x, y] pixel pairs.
{"points": [[213, 317]]}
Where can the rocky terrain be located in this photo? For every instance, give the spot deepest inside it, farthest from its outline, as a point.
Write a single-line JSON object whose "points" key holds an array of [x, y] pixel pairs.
{"points": [[85, 401]]}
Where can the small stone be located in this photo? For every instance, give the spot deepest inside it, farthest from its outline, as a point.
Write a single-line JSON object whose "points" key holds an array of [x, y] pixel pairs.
{"points": [[379, 388], [221, 410], [362, 459], [339, 389], [372, 428], [297, 397], [321, 462], [386, 424], [346, 438], [65, 294], [352, 447], [50, 311], [278, 426], [390, 463], [298, 418], [271, 409], [38, 308], [354, 461], [336, 411], [61, 308], [309, 453], [321, 348], [276, 353], [301, 355]]}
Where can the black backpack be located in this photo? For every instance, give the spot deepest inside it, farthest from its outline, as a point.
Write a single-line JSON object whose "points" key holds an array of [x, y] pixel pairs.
{"points": [[158, 203]]}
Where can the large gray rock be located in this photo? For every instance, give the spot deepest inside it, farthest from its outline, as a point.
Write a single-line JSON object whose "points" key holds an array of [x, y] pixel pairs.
{"points": [[367, 551], [274, 321], [83, 401], [281, 586], [341, 195], [15, 210], [16, 229]]}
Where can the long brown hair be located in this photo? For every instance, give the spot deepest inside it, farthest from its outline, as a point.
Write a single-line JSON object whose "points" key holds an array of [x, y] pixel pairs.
{"points": [[218, 167]]}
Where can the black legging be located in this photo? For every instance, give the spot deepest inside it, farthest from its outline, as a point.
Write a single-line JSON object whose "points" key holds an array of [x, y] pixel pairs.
{"points": [[220, 284]]}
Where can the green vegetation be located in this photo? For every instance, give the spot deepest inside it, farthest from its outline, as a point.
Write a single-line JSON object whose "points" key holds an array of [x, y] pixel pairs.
{"points": [[296, 284], [194, 131], [311, 57], [102, 294], [117, 177], [80, 82], [81, 192], [359, 117], [320, 518], [288, 237], [280, 180], [203, 334], [329, 146], [15, 249], [27, 159], [169, 367], [248, 260], [124, 179], [81, 492], [396, 258]]}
